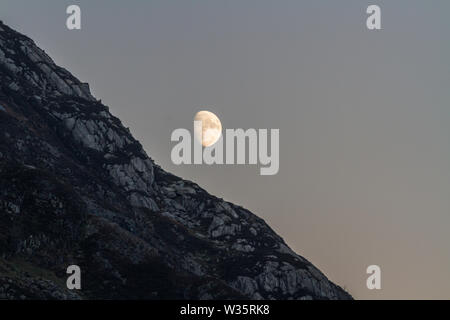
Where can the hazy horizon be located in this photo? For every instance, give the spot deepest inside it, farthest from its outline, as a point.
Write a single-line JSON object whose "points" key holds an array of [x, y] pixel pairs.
{"points": [[363, 116]]}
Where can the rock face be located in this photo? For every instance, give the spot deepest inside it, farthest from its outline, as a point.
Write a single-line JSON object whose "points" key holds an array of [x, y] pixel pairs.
{"points": [[77, 188]]}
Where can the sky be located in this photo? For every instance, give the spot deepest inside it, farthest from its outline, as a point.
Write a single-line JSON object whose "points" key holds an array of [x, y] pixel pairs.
{"points": [[364, 116]]}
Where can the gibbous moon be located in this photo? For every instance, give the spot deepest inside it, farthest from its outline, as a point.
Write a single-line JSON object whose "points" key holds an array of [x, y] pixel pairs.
{"points": [[211, 128]]}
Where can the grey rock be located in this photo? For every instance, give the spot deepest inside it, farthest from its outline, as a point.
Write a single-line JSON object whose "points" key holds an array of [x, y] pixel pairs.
{"points": [[77, 188]]}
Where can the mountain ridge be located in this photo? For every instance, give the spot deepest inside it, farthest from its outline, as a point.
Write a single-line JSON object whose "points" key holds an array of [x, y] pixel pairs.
{"points": [[77, 188]]}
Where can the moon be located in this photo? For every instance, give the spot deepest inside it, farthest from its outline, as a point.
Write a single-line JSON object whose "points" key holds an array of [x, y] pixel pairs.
{"points": [[211, 128]]}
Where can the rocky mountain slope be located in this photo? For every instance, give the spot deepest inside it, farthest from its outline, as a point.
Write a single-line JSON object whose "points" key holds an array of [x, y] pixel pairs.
{"points": [[77, 188]]}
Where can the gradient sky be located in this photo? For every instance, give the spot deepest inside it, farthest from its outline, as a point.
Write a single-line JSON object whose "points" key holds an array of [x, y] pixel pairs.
{"points": [[364, 116]]}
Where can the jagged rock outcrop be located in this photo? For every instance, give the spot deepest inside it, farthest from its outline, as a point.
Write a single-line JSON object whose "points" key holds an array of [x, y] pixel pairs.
{"points": [[77, 188]]}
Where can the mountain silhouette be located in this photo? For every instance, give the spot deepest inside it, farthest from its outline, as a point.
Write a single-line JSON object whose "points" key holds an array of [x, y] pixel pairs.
{"points": [[77, 189]]}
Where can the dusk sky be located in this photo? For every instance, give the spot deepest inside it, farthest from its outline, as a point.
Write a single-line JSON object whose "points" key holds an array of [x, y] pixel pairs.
{"points": [[364, 116]]}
